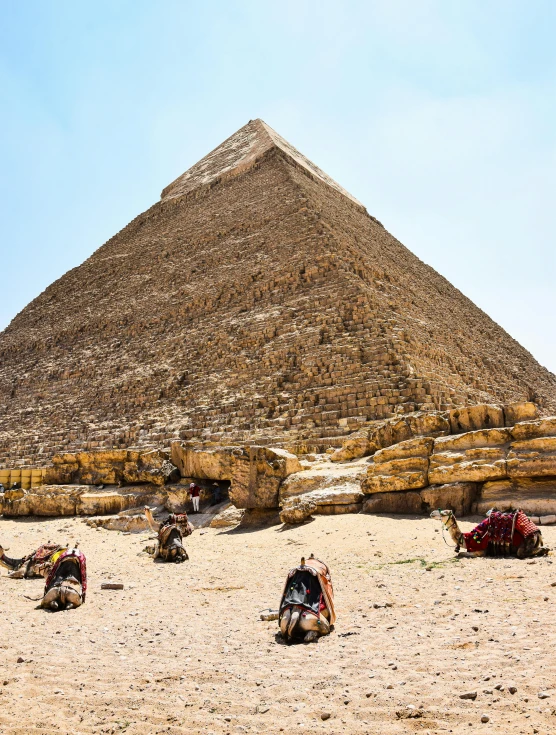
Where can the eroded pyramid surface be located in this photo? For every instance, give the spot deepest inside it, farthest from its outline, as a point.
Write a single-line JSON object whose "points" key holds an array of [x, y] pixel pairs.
{"points": [[257, 300]]}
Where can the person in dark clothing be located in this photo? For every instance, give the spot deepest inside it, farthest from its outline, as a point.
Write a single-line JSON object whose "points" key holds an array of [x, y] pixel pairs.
{"points": [[217, 493]]}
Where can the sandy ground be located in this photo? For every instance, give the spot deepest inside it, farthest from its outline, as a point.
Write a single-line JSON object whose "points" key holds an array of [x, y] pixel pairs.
{"points": [[181, 649]]}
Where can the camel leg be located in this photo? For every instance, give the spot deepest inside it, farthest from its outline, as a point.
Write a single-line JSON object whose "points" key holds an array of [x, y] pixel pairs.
{"points": [[311, 636], [284, 623]]}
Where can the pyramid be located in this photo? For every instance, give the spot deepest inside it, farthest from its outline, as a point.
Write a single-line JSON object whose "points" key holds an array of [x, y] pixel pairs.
{"points": [[256, 300]]}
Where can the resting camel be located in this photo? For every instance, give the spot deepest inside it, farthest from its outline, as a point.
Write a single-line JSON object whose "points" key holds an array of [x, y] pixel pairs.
{"points": [[307, 604], [500, 534], [36, 564], [170, 533], [66, 583]]}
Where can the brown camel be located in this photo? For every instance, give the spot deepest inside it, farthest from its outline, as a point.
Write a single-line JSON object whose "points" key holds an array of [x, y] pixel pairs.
{"points": [[307, 604], [36, 564], [170, 533]]}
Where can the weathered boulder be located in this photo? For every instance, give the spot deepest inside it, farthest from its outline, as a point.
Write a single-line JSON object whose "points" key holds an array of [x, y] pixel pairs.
{"points": [[403, 466], [355, 446], [204, 463], [111, 467], [228, 517], [476, 456], [257, 475], [458, 497], [534, 429], [297, 510], [323, 477], [516, 412], [470, 418], [424, 423], [71, 500], [533, 496], [43, 501], [532, 457]]}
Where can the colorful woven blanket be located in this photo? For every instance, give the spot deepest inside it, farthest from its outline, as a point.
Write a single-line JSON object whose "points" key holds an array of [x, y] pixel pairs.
{"points": [[500, 529]]}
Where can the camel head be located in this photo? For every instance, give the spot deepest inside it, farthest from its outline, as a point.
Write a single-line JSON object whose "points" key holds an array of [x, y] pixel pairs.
{"points": [[442, 515], [2, 551]]}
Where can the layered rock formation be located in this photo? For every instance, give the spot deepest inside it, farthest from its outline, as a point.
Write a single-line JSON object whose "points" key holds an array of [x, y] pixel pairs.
{"points": [[256, 301]]}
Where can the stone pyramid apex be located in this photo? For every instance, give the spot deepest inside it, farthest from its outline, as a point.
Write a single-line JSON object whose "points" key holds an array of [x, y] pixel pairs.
{"points": [[239, 153]]}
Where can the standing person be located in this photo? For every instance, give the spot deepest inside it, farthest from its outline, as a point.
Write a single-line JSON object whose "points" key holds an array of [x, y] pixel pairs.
{"points": [[194, 492]]}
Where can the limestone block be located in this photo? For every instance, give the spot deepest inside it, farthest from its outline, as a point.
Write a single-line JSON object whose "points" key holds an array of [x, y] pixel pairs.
{"points": [[482, 416], [404, 503], [420, 447], [297, 509], [47, 500], [323, 478], [532, 457], [355, 446], [227, 518], [395, 475], [111, 467], [473, 440], [516, 412], [257, 475], [458, 497], [534, 429], [334, 510], [204, 463], [533, 496], [431, 423], [471, 465]]}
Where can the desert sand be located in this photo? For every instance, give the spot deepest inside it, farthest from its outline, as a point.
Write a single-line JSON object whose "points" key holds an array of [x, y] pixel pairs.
{"points": [[182, 650]]}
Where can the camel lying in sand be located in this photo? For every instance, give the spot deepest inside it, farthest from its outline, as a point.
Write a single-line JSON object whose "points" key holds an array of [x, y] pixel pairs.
{"points": [[170, 533], [500, 534], [307, 604], [37, 564], [66, 583]]}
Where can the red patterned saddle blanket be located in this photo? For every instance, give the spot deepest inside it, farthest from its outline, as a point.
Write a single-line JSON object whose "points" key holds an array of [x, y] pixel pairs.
{"points": [[500, 529]]}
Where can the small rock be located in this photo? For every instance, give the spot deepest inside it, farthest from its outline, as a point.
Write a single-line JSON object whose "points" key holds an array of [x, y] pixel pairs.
{"points": [[500, 687], [263, 710], [20, 660], [468, 695], [58, 691], [543, 695], [512, 689], [390, 686], [325, 716], [475, 628], [485, 718], [487, 691]]}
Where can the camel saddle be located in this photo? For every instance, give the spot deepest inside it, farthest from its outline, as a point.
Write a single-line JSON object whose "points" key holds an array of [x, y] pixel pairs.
{"points": [[309, 585], [500, 530], [79, 558]]}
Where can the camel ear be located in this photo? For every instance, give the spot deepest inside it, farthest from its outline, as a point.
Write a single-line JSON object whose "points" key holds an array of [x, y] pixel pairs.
{"points": [[302, 561]]}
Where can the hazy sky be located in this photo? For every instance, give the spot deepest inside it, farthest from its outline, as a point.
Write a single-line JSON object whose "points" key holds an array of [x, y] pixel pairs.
{"points": [[439, 115]]}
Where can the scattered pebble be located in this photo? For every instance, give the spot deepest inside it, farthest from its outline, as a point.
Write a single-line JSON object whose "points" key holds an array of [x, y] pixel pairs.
{"points": [[485, 718], [325, 715], [468, 695]]}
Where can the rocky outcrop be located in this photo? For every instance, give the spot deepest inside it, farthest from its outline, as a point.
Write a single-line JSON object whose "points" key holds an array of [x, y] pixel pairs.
{"points": [[403, 466], [471, 418], [255, 473], [327, 488], [535, 496], [459, 497], [227, 518], [79, 500], [297, 510], [112, 467]]}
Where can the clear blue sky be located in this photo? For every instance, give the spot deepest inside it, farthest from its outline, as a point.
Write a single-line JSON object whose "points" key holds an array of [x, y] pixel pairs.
{"points": [[439, 115]]}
